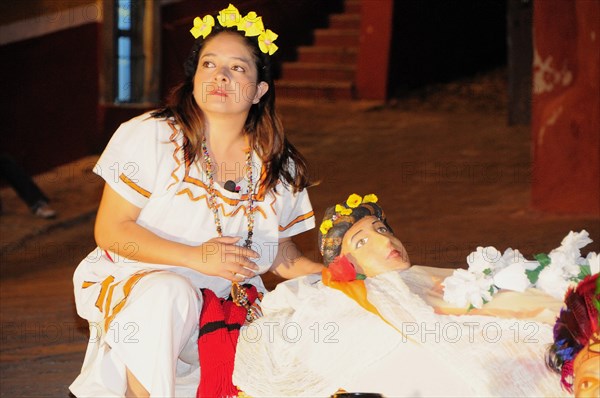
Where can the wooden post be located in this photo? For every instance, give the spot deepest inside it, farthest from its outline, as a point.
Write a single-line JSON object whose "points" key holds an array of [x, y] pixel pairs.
{"points": [[374, 49], [566, 97]]}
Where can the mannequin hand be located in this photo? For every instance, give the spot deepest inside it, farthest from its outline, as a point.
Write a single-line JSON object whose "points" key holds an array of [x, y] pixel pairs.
{"points": [[221, 257]]}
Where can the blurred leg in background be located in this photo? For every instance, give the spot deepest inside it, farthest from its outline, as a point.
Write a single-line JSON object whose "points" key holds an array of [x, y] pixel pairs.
{"points": [[25, 187]]}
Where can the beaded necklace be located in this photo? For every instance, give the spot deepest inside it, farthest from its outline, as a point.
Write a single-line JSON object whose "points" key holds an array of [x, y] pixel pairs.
{"points": [[212, 193], [239, 293]]}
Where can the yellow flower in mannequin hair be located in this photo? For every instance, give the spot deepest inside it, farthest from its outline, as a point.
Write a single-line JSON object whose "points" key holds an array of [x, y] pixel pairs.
{"points": [[371, 198], [252, 25], [343, 211], [229, 17], [202, 27], [325, 226], [354, 201]]}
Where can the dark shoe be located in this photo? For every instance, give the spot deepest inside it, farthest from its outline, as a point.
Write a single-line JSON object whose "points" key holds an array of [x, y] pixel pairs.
{"points": [[45, 211]]}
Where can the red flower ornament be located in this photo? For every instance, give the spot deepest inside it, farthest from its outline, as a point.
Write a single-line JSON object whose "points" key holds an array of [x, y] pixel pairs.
{"points": [[342, 270]]}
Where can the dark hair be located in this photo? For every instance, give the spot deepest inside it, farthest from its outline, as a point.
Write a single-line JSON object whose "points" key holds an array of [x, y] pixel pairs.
{"points": [[282, 161]]}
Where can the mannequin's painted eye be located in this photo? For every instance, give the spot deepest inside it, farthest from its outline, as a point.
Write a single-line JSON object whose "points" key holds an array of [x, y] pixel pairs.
{"points": [[360, 243]]}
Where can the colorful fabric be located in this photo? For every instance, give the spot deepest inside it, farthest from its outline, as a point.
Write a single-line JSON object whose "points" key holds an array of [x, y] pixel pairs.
{"points": [[220, 323], [355, 289], [575, 327]]}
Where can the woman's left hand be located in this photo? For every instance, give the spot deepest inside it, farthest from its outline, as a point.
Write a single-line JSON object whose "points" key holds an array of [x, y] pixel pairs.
{"points": [[290, 262]]}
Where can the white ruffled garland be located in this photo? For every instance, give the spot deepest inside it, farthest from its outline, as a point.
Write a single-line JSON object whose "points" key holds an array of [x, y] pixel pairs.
{"points": [[490, 271]]}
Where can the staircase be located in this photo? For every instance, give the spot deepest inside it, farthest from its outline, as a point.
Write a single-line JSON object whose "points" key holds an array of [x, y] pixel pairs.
{"points": [[326, 70]]}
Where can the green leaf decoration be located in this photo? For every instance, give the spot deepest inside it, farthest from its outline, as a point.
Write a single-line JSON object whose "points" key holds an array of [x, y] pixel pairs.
{"points": [[596, 301], [584, 271], [542, 258], [534, 275], [487, 271], [361, 277], [470, 307]]}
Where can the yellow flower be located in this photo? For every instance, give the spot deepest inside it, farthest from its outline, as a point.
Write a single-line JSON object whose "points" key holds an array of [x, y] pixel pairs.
{"points": [[252, 24], [371, 198], [325, 226], [353, 201], [229, 16], [202, 27], [265, 42], [342, 210]]}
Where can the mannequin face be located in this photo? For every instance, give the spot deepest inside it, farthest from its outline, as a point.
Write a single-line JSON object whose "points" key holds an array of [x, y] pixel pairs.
{"points": [[373, 249], [586, 370]]}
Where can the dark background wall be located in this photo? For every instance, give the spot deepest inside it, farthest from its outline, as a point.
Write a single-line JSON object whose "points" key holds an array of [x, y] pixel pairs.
{"points": [[50, 97]]}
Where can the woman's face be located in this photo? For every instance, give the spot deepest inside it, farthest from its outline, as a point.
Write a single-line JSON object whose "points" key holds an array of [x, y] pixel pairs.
{"points": [[586, 370], [373, 249], [226, 76]]}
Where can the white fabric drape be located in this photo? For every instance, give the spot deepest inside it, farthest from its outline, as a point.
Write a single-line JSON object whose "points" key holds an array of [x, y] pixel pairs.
{"points": [[341, 345]]}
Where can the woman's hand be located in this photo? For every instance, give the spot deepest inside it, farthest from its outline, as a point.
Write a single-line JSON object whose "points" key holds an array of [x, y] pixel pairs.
{"points": [[290, 262], [221, 257], [116, 227]]}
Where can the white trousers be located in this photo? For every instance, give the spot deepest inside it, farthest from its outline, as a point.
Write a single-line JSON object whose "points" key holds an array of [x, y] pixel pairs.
{"points": [[154, 335]]}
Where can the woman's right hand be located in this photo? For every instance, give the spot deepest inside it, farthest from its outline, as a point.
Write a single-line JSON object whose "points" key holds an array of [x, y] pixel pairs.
{"points": [[116, 226], [222, 257]]}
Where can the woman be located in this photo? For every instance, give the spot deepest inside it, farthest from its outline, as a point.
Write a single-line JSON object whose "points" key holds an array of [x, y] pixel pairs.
{"points": [[368, 326], [202, 194]]}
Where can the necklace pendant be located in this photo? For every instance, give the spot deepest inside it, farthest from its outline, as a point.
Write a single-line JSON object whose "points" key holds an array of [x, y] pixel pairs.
{"points": [[239, 295]]}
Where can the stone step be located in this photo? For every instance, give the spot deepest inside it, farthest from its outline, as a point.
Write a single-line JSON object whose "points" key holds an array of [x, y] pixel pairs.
{"points": [[318, 71], [353, 6], [328, 55], [312, 90], [344, 21], [337, 37]]}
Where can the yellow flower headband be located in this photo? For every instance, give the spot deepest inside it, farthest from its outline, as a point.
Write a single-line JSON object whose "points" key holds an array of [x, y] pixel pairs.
{"points": [[345, 209], [229, 17]]}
